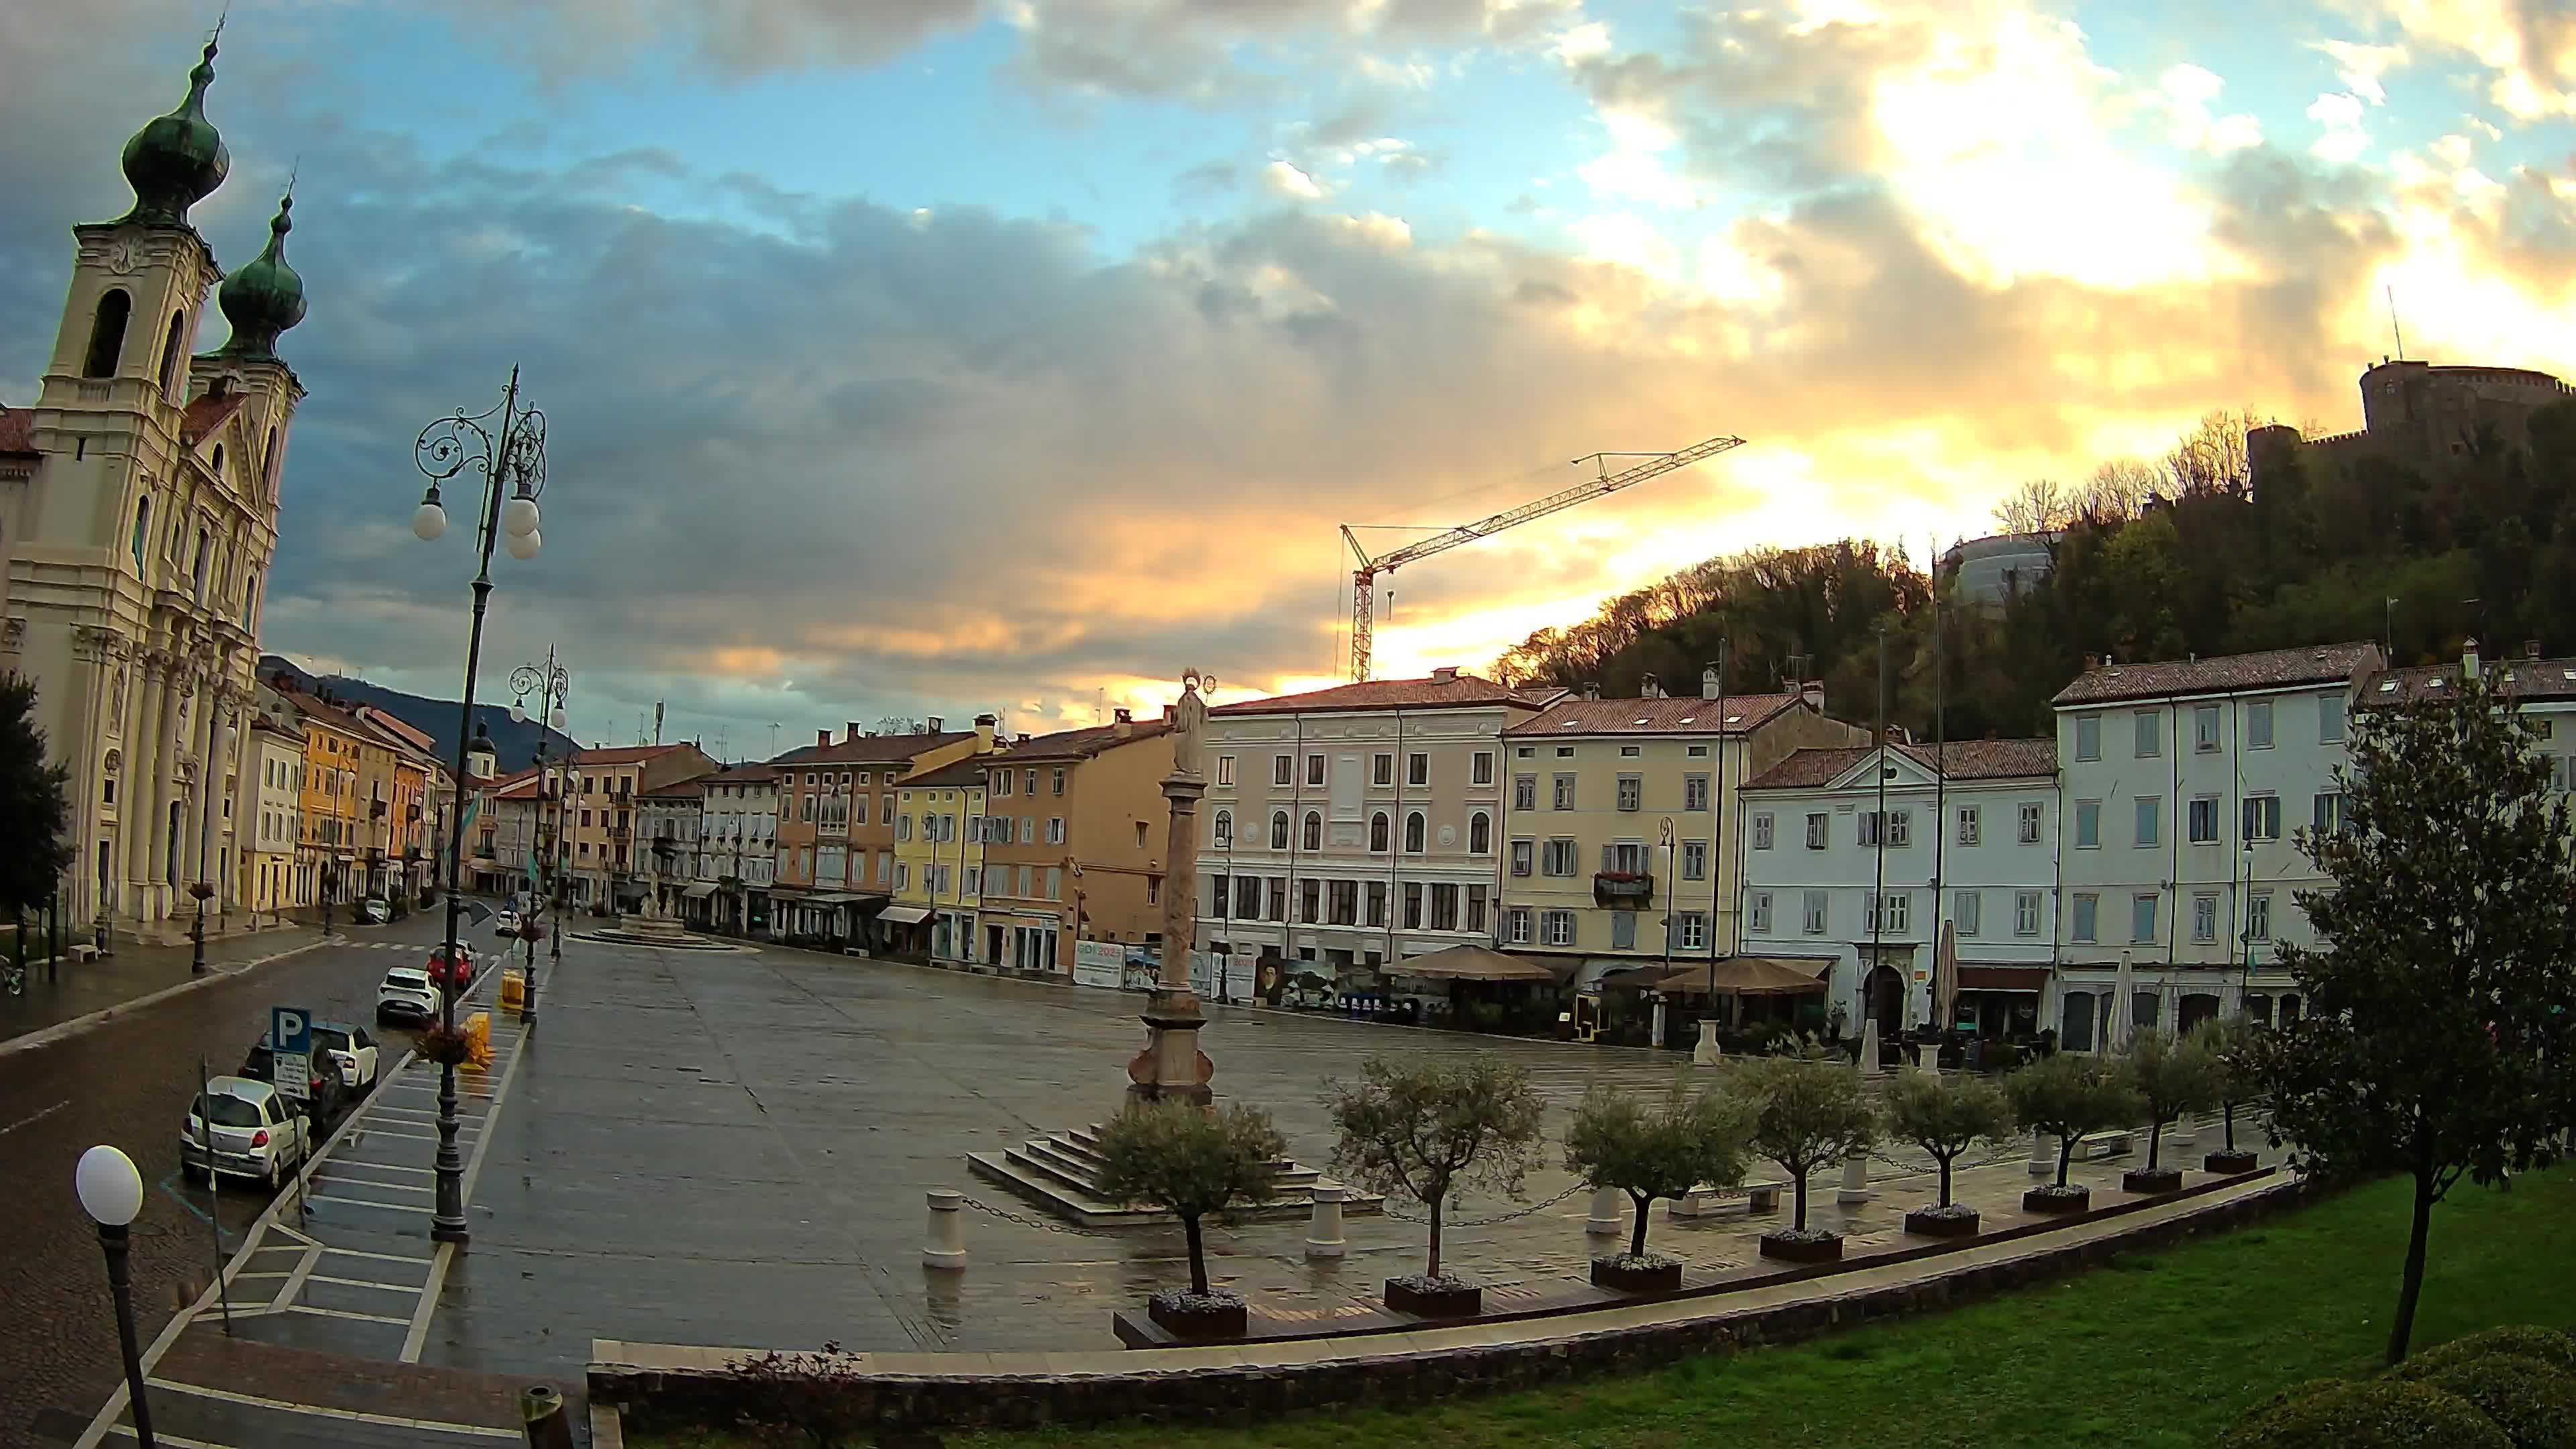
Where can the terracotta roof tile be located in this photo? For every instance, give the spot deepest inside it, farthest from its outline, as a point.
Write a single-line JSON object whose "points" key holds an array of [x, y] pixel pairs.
{"points": [[1079, 744], [1967, 760], [624, 754], [957, 774], [2513, 678], [871, 749], [17, 431], [328, 713], [2270, 669], [1461, 691], [208, 413], [752, 774], [1672, 716]]}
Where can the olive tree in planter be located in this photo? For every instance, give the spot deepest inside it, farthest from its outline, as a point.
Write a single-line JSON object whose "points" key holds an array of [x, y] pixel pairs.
{"points": [[1946, 1117], [1691, 1142], [1194, 1164], [2235, 1043], [2069, 1095], [1424, 1128], [1809, 1109], [2174, 1077]]}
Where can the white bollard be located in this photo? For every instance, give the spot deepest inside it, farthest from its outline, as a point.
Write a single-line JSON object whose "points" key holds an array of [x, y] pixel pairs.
{"points": [[1705, 1052], [2043, 1155], [947, 1247], [2186, 1132], [1324, 1220], [1855, 1188], [1609, 1217], [1869, 1065]]}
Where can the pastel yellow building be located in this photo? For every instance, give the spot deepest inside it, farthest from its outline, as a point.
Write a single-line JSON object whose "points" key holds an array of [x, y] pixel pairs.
{"points": [[938, 861], [330, 812], [1619, 814]]}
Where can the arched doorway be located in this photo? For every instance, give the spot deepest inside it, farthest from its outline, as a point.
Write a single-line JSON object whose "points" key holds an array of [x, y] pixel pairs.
{"points": [[1883, 999], [2075, 1034], [2197, 1007]]}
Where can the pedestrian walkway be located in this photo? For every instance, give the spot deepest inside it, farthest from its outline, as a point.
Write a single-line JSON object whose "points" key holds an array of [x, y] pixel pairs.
{"points": [[316, 1335], [73, 990]]}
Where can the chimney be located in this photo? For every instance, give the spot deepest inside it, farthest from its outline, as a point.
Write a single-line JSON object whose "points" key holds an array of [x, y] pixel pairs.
{"points": [[934, 725], [850, 730], [2469, 659], [822, 737], [1171, 714], [1591, 691], [1648, 687], [1708, 684], [984, 724], [1445, 674], [2530, 648], [1813, 692], [2092, 663], [1123, 723]]}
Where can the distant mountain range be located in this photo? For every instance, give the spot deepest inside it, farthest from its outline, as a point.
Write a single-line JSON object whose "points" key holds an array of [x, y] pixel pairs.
{"points": [[515, 743]]}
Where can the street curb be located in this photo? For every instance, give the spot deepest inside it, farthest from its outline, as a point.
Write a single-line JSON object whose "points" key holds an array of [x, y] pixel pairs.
{"points": [[105, 1014]]}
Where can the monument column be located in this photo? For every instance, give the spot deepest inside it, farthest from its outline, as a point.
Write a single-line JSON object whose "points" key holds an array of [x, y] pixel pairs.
{"points": [[141, 771], [176, 697], [1172, 1067]]}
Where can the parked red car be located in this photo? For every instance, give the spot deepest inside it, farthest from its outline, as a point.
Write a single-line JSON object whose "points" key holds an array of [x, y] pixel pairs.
{"points": [[440, 973]]}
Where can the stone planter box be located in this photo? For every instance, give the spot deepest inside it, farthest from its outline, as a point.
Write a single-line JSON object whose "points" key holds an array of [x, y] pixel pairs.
{"points": [[1434, 1298], [1789, 1248], [2230, 1163], [2049, 1200], [1219, 1315], [1629, 1275], [2151, 1179], [1933, 1223]]}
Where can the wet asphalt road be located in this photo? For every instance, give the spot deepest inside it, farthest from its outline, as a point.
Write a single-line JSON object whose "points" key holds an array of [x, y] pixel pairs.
{"points": [[128, 1082]]}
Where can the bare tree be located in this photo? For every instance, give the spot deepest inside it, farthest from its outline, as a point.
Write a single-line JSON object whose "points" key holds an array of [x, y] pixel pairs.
{"points": [[2039, 505], [2210, 457]]}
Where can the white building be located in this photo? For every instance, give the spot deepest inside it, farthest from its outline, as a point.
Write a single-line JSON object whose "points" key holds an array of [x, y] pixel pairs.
{"points": [[669, 822], [138, 513], [268, 814], [1343, 826], [738, 842], [1856, 857], [2542, 689], [2183, 782]]}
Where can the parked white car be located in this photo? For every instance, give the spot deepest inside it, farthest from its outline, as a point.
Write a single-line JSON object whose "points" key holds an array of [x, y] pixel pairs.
{"points": [[247, 1129], [406, 996], [350, 1049]]}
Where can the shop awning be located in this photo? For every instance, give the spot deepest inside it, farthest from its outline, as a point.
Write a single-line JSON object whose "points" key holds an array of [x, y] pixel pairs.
{"points": [[839, 898], [1471, 963], [905, 915], [2002, 978], [699, 891], [1746, 976]]}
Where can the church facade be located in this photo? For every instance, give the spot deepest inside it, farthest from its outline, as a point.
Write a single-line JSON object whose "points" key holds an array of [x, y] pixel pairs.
{"points": [[138, 517]]}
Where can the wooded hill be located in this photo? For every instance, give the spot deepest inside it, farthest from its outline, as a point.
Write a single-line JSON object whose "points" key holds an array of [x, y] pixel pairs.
{"points": [[2153, 560]]}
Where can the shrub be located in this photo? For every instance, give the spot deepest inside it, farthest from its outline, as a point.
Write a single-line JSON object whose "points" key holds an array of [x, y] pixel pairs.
{"points": [[1426, 1126], [2382, 1414], [1193, 1163], [2173, 1077], [2528, 1340], [2067, 1096], [1809, 1111], [1694, 1141], [1946, 1116], [2533, 1402]]}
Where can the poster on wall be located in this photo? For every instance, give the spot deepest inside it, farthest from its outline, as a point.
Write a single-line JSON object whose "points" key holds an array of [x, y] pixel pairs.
{"points": [[1099, 963]]}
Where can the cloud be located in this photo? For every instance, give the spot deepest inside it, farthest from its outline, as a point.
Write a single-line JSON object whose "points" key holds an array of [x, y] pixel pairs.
{"points": [[1286, 178], [2527, 47], [2360, 67], [2344, 140], [2185, 94]]}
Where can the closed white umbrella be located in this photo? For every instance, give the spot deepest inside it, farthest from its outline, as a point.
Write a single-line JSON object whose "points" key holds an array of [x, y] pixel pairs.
{"points": [[2123, 1023]]}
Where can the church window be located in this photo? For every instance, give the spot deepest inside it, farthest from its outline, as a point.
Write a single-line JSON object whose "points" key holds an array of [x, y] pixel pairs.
{"points": [[142, 529], [268, 462], [219, 462], [250, 598], [171, 349], [107, 333]]}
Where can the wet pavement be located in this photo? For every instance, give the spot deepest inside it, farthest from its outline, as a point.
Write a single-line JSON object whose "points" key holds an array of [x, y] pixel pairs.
{"points": [[74, 989]]}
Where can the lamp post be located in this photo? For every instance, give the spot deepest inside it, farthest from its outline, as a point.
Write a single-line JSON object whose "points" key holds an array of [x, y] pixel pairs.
{"points": [[507, 446], [111, 1192], [550, 683], [197, 931]]}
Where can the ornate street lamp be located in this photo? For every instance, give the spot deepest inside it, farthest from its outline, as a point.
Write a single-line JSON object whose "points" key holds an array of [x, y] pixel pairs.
{"points": [[111, 1192], [550, 684], [507, 446]]}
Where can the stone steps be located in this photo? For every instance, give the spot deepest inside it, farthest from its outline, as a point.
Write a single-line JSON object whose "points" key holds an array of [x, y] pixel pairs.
{"points": [[1062, 1173]]}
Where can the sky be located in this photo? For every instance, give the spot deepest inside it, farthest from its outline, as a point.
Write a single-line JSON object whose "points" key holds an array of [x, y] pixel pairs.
{"points": [[938, 357]]}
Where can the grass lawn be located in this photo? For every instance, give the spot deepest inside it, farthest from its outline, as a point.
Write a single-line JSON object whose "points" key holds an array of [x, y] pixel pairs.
{"points": [[2153, 1352]]}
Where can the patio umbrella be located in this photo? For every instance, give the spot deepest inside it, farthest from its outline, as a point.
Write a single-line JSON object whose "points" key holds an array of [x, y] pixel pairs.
{"points": [[1945, 978], [2124, 1016]]}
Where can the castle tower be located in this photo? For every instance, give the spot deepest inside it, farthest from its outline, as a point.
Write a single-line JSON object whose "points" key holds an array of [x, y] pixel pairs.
{"points": [[139, 545]]}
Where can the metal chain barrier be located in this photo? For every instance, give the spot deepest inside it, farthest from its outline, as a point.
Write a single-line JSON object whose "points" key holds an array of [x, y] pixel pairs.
{"points": [[1391, 1210], [1025, 1221]]}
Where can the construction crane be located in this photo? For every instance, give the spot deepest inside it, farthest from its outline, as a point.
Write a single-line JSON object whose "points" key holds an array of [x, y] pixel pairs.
{"points": [[1364, 578]]}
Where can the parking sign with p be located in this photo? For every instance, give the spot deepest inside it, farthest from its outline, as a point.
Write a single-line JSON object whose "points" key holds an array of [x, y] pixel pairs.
{"points": [[290, 1035]]}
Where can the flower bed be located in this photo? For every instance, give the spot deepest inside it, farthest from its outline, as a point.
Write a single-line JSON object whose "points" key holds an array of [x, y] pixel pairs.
{"points": [[1958, 1220], [2071, 1198], [2230, 1163], [1427, 1297], [2151, 1179], [1815, 1245], [1217, 1313], [1638, 1273]]}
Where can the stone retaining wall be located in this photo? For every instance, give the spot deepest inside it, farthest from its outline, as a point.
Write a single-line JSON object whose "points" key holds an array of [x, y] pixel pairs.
{"points": [[680, 1397]]}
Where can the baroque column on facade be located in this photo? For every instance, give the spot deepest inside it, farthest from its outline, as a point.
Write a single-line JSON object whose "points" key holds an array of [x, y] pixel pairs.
{"points": [[142, 774], [177, 706], [195, 833], [1172, 1067]]}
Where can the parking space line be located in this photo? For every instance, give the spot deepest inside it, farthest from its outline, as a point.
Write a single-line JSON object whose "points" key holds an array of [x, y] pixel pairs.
{"points": [[295, 1280], [341, 1313], [173, 1440], [418, 1333], [397, 1207], [381, 1166], [371, 1186], [358, 1416], [379, 1257], [365, 1283]]}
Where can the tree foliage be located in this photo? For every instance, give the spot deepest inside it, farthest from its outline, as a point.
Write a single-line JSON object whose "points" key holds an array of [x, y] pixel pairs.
{"points": [[2069, 1096], [1809, 1111], [1694, 1140], [1192, 1163], [2235, 1045], [35, 843], [2174, 1076], [1428, 1126], [2150, 558], [1946, 1116], [2442, 991]]}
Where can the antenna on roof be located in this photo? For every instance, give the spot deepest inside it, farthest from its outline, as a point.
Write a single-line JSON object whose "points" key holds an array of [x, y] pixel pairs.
{"points": [[2399, 332]]}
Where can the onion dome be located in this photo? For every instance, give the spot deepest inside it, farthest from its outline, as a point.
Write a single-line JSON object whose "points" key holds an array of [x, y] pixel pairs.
{"points": [[264, 296], [177, 160]]}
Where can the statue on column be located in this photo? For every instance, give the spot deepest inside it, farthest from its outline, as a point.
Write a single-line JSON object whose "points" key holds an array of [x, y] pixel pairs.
{"points": [[1189, 723]]}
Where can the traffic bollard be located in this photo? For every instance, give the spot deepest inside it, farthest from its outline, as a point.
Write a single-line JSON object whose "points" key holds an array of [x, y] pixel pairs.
{"points": [[2043, 1155], [1324, 1223], [947, 1248], [541, 1410], [1608, 1217], [1855, 1187]]}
